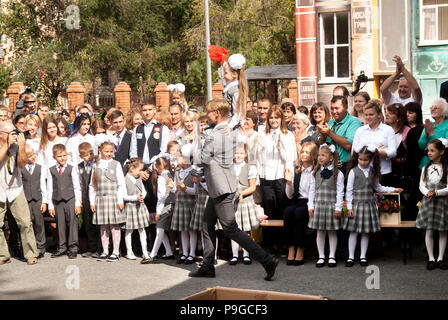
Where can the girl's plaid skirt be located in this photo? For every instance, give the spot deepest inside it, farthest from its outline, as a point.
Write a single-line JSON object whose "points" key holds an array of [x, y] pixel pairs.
{"points": [[107, 211], [366, 218], [433, 214], [323, 218], [137, 215], [197, 221], [246, 214], [183, 211]]}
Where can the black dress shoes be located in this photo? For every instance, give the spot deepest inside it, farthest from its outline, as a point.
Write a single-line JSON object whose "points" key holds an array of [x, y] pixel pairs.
{"points": [[270, 269], [58, 254], [41, 255], [72, 255], [203, 273]]}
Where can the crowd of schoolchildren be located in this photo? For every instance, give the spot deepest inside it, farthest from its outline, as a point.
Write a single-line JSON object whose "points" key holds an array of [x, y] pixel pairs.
{"points": [[316, 169]]}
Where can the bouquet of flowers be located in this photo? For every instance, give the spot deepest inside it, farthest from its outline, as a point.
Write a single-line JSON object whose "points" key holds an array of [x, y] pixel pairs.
{"points": [[388, 206]]}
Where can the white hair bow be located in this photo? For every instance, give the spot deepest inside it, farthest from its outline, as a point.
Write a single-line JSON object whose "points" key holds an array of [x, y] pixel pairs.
{"points": [[237, 61], [179, 86], [444, 142], [329, 146], [371, 147]]}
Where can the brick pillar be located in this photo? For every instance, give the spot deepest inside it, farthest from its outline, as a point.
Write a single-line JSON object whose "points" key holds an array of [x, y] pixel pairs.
{"points": [[162, 95], [122, 93], [217, 90], [292, 92], [13, 95], [75, 95]]}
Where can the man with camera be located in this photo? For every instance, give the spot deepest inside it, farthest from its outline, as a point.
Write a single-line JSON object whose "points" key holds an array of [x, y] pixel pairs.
{"points": [[12, 197], [27, 101]]}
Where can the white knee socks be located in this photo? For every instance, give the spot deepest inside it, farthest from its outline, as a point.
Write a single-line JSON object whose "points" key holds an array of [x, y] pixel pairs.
{"points": [[333, 238], [352, 245], [116, 237], [193, 243], [442, 244], [185, 242], [320, 241], [128, 240], [429, 242], [105, 229], [364, 245]]}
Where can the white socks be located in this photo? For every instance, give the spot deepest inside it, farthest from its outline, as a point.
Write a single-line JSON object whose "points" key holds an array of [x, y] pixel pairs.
{"points": [[429, 242], [161, 237], [333, 238], [189, 242], [442, 244], [320, 241], [128, 240], [235, 248], [352, 240]]}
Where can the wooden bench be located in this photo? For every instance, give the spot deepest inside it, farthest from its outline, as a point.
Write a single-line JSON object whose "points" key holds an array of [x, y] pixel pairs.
{"points": [[271, 223]]}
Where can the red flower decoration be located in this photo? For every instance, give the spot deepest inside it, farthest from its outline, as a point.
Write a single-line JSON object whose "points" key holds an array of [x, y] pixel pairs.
{"points": [[218, 54]]}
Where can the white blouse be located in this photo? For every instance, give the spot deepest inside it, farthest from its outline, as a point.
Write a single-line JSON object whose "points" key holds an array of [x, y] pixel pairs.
{"points": [[339, 190], [45, 156], [350, 181], [73, 144], [121, 183], [382, 137], [305, 183], [274, 162], [252, 170], [435, 173], [161, 190]]}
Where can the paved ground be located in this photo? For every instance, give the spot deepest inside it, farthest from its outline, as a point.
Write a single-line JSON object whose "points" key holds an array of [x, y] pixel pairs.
{"points": [[131, 280]]}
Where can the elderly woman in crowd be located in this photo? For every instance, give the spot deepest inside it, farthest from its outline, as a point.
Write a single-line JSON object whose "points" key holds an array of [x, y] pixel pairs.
{"points": [[300, 125], [436, 129]]}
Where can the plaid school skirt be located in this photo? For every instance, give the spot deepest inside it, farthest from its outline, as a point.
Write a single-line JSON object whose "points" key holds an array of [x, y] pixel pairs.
{"points": [[183, 211], [137, 215], [432, 214]]}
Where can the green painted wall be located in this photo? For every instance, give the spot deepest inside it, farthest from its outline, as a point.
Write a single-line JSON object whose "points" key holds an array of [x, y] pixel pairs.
{"points": [[429, 63]]}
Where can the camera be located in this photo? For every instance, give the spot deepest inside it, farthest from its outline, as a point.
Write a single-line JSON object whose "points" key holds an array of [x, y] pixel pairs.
{"points": [[25, 133], [362, 77]]}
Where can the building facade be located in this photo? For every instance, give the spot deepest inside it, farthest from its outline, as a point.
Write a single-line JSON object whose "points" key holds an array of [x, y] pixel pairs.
{"points": [[337, 40]]}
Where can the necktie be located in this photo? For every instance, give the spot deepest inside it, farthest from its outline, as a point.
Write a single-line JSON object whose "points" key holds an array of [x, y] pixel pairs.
{"points": [[60, 170], [118, 142], [30, 168]]}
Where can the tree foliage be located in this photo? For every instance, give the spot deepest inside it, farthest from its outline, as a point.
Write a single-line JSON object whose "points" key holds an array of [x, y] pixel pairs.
{"points": [[145, 41]]}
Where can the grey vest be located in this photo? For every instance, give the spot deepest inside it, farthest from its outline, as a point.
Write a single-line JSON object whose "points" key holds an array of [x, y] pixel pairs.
{"points": [[243, 178], [360, 179], [134, 188], [187, 181], [31, 183], [169, 196], [228, 95], [62, 184]]}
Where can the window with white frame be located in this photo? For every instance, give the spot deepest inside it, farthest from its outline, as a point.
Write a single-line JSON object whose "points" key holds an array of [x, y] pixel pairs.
{"points": [[335, 46], [434, 21]]}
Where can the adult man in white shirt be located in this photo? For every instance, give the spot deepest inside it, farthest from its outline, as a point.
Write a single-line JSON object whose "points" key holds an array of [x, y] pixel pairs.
{"points": [[263, 107], [408, 88], [122, 137], [176, 119], [12, 159]]}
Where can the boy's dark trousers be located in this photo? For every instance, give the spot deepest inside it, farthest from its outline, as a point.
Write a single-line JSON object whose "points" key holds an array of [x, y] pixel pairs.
{"points": [[91, 230], [66, 218]]}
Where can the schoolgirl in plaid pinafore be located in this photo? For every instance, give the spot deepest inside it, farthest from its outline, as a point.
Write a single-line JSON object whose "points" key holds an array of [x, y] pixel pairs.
{"points": [[166, 215], [366, 218], [107, 212], [137, 215], [184, 205], [432, 214], [324, 200], [246, 214], [197, 220]]}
